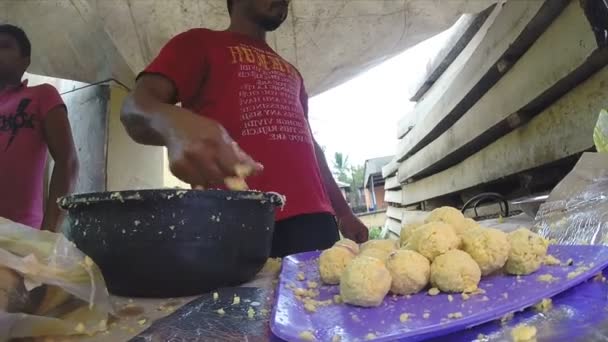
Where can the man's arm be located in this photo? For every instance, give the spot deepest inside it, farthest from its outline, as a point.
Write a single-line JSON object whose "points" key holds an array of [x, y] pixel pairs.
{"points": [[349, 224], [60, 143]]}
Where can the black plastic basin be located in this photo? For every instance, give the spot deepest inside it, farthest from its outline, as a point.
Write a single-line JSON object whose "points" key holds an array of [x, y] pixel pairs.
{"points": [[171, 243]]}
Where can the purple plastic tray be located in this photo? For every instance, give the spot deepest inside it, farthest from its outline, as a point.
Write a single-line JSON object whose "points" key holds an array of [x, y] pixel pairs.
{"points": [[504, 294]]}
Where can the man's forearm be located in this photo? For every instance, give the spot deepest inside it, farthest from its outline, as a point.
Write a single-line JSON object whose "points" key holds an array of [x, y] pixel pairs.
{"points": [[140, 121], [62, 183], [338, 201]]}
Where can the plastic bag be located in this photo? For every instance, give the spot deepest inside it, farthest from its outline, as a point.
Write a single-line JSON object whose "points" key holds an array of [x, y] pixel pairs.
{"points": [[55, 289], [600, 133], [577, 209]]}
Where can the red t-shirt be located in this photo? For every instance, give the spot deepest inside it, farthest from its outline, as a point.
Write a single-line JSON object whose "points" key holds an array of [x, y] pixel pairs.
{"points": [[260, 99], [23, 150]]}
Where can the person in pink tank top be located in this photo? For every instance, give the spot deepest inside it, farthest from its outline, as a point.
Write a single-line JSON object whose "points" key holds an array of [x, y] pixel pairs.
{"points": [[242, 103], [32, 121]]}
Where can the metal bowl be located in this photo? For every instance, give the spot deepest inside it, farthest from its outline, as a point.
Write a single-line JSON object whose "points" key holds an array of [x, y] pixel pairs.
{"points": [[530, 204], [170, 243]]}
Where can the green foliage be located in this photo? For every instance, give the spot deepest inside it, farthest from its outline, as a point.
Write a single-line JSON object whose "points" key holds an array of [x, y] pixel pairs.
{"points": [[375, 233]]}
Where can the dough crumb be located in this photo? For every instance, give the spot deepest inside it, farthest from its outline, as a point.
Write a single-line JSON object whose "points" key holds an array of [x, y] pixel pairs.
{"points": [[250, 313], [336, 338], [465, 296], [404, 317], [312, 284], [455, 315], [433, 291], [79, 328], [485, 299], [580, 270], [355, 318], [216, 296], [547, 278], [550, 260], [301, 276], [142, 322], [600, 277], [450, 298], [337, 299], [236, 300], [544, 305], [370, 336], [310, 307], [426, 315], [505, 295], [307, 336], [221, 312], [523, 332]]}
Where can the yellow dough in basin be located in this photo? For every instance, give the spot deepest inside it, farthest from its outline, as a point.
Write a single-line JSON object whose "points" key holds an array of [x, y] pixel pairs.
{"points": [[333, 262], [410, 272], [488, 247], [455, 271], [528, 251], [365, 282]]}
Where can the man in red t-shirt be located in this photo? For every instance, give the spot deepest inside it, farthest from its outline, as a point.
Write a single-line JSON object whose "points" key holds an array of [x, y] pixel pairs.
{"points": [[237, 93], [32, 120]]}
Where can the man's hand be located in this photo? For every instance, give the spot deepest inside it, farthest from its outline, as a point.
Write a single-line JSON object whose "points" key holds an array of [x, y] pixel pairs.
{"points": [[202, 153], [352, 228]]}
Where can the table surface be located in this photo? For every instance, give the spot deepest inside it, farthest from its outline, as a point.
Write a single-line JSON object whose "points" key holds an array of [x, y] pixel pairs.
{"points": [[136, 314]]}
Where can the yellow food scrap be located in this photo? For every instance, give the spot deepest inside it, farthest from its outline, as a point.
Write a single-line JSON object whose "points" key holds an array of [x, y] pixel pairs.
{"points": [[310, 307], [550, 260], [370, 337], [305, 293], [337, 299], [312, 284], [236, 300], [142, 321], [221, 312], [336, 338], [88, 261], [580, 270], [216, 296], [307, 336], [250, 313], [404, 317], [450, 298], [544, 305], [465, 296], [301, 276], [355, 318], [547, 278], [455, 315], [600, 277], [79, 328], [426, 315], [523, 333], [433, 291]]}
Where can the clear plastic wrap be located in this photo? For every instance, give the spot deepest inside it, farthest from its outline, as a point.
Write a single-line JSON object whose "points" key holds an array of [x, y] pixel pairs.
{"points": [[577, 209], [60, 290]]}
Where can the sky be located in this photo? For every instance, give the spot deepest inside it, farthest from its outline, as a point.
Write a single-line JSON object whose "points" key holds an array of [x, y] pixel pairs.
{"points": [[359, 118]]}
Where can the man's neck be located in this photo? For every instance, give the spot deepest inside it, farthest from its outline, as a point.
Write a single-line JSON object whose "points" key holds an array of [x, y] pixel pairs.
{"points": [[9, 82], [247, 28]]}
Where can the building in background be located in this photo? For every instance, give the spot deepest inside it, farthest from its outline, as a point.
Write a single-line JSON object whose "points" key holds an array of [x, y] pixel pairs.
{"points": [[374, 183]]}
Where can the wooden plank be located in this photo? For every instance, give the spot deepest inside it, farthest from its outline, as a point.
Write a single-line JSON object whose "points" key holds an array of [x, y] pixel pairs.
{"points": [[393, 226], [393, 196], [395, 213], [461, 34], [515, 27], [517, 96], [390, 168], [392, 183], [563, 129]]}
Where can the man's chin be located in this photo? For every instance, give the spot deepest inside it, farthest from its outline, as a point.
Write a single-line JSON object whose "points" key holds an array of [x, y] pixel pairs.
{"points": [[272, 25]]}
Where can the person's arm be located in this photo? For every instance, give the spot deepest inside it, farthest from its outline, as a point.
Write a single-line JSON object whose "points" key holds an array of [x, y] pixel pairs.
{"points": [[200, 150], [58, 134]]}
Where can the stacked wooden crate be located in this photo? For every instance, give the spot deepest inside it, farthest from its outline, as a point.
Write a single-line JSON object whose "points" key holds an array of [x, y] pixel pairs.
{"points": [[511, 110]]}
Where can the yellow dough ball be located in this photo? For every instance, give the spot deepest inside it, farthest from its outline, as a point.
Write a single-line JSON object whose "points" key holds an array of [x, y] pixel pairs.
{"points": [[410, 272], [333, 262], [469, 223], [385, 245], [449, 215], [380, 254], [365, 282], [433, 239], [455, 271], [406, 232], [528, 250], [488, 247], [350, 244]]}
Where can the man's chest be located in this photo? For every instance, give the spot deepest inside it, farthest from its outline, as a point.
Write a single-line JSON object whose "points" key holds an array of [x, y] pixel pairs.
{"points": [[20, 122]]}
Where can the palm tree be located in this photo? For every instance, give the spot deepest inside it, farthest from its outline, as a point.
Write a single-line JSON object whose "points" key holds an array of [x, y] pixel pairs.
{"points": [[341, 167]]}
